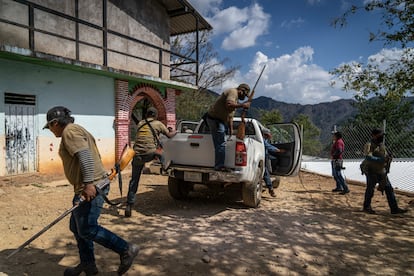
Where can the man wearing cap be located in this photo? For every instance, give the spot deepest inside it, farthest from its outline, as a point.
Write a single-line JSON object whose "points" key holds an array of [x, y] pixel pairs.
{"points": [[145, 147], [84, 169], [219, 119], [376, 157], [337, 150], [270, 154]]}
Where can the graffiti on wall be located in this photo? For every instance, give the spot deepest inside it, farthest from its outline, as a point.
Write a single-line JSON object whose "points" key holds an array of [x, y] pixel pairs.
{"points": [[20, 139]]}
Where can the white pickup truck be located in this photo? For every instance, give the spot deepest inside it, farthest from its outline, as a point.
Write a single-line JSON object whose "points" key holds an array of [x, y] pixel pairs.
{"points": [[191, 159]]}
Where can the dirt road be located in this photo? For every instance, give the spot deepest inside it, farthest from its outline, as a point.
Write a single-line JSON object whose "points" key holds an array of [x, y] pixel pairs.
{"points": [[305, 230]]}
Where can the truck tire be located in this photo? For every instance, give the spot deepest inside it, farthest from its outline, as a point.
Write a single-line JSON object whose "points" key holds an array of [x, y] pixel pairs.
{"points": [[252, 192], [178, 189]]}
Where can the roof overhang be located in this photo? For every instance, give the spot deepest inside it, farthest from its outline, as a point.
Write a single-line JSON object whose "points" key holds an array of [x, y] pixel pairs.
{"points": [[184, 18]]}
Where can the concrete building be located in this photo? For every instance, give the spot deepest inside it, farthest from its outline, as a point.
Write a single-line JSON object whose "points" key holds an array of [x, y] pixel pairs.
{"points": [[106, 60]]}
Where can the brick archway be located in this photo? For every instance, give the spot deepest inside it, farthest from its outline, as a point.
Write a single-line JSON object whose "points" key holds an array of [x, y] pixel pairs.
{"points": [[153, 95], [126, 101]]}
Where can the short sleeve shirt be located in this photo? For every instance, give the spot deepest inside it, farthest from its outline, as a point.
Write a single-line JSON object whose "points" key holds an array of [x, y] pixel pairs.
{"points": [[219, 109], [145, 142], [74, 139]]}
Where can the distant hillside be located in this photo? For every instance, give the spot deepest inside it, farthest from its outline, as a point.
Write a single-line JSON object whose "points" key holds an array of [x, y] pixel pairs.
{"points": [[323, 115]]}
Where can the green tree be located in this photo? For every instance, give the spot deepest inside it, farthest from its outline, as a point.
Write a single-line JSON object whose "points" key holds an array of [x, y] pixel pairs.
{"points": [[191, 105], [270, 117], [311, 133], [391, 78]]}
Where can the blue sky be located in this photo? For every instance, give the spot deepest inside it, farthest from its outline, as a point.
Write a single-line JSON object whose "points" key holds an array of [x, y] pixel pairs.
{"points": [[296, 41]]}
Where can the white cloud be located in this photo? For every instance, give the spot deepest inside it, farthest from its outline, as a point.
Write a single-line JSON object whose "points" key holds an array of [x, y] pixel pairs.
{"points": [[242, 27], [206, 7], [291, 78], [294, 23]]}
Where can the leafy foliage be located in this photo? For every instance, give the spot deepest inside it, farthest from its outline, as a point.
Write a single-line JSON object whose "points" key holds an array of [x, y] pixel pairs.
{"points": [[391, 78], [311, 143]]}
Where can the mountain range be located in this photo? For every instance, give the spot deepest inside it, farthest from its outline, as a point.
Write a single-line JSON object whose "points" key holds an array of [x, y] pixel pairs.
{"points": [[323, 115]]}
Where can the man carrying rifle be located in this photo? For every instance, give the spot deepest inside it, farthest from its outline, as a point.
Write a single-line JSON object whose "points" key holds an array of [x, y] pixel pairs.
{"points": [[84, 169], [219, 119], [375, 169]]}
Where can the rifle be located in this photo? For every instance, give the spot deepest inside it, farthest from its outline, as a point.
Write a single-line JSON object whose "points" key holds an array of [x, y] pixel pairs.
{"points": [[241, 130], [126, 157]]}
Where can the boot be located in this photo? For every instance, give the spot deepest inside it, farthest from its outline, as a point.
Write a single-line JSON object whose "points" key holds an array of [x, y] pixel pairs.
{"points": [[272, 192], [127, 258], [89, 269], [128, 210]]}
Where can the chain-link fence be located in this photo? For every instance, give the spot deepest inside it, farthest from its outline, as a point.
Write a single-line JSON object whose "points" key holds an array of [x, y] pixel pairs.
{"points": [[399, 142]]}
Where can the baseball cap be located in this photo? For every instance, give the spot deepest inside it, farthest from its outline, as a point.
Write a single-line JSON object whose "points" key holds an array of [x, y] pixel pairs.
{"points": [[152, 112], [266, 131], [245, 88], [55, 113]]}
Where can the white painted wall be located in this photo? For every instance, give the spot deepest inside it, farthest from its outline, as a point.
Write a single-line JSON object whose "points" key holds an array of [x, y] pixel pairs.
{"points": [[89, 97], [401, 173]]}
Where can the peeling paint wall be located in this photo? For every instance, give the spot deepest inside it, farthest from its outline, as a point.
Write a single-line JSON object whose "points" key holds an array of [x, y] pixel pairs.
{"points": [[89, 97]]}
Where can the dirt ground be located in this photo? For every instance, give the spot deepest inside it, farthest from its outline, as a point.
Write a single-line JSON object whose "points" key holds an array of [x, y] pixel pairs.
{"points": [[305, 230]]}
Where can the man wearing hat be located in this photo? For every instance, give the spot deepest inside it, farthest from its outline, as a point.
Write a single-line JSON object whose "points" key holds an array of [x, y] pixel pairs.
{"points": [[84, 169], [219, 119], [270, 154], [376, 158], [145, 147]]}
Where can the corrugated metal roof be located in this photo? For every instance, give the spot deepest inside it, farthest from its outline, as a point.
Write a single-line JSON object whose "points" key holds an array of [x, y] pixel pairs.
{"points": [[183, 17]]}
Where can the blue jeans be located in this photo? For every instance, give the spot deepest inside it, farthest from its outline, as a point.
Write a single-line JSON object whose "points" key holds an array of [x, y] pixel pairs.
{"points": [[372, 180], [84, 225], [266, 178], [218, 132], [339, 179], [137, 165]]}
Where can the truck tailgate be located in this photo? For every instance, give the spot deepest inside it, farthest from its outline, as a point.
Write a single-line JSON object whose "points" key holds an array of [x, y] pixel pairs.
{"points": [[195, 150]]}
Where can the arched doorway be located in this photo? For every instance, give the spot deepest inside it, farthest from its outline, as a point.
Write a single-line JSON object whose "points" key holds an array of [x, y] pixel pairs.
{"points": [[138, 99]]}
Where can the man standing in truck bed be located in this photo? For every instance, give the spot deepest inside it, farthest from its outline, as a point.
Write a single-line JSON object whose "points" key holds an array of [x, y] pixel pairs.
{"points": [[219, 119]]}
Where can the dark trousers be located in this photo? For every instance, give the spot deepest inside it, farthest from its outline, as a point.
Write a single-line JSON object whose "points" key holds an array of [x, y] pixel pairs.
{"points": [[372, 180]]}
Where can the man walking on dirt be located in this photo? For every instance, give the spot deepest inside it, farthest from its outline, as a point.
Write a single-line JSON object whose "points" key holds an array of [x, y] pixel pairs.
{"points": [[84, 169], [145, 147], [376, 158], [337, 150], [219, 119]]}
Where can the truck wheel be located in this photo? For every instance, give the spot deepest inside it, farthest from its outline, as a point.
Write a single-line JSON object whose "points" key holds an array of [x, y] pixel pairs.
{"points": [[178, 188], [252, 192]]}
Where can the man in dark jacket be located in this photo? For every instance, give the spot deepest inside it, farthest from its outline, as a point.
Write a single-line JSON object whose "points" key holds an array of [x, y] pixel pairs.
{"points": [[376, 156]]}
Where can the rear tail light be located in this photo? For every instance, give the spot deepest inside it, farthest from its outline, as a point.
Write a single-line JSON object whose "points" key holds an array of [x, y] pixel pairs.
{"points": [[241, 154]]}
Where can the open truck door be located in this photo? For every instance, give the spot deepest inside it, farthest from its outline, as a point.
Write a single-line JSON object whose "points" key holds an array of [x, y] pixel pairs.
{"points": [[288, 138]]}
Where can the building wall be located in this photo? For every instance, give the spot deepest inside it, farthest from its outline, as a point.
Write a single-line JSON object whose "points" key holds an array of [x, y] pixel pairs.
{"points": [[89, 97], [56, 35]]}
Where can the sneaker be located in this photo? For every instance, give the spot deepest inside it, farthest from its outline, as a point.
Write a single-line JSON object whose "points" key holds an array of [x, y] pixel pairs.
{"points": [[89, 269], [128, 210], [272, 193], [399, 211], [336, 190], [368, 211], [127, 258], [344, 192]]}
